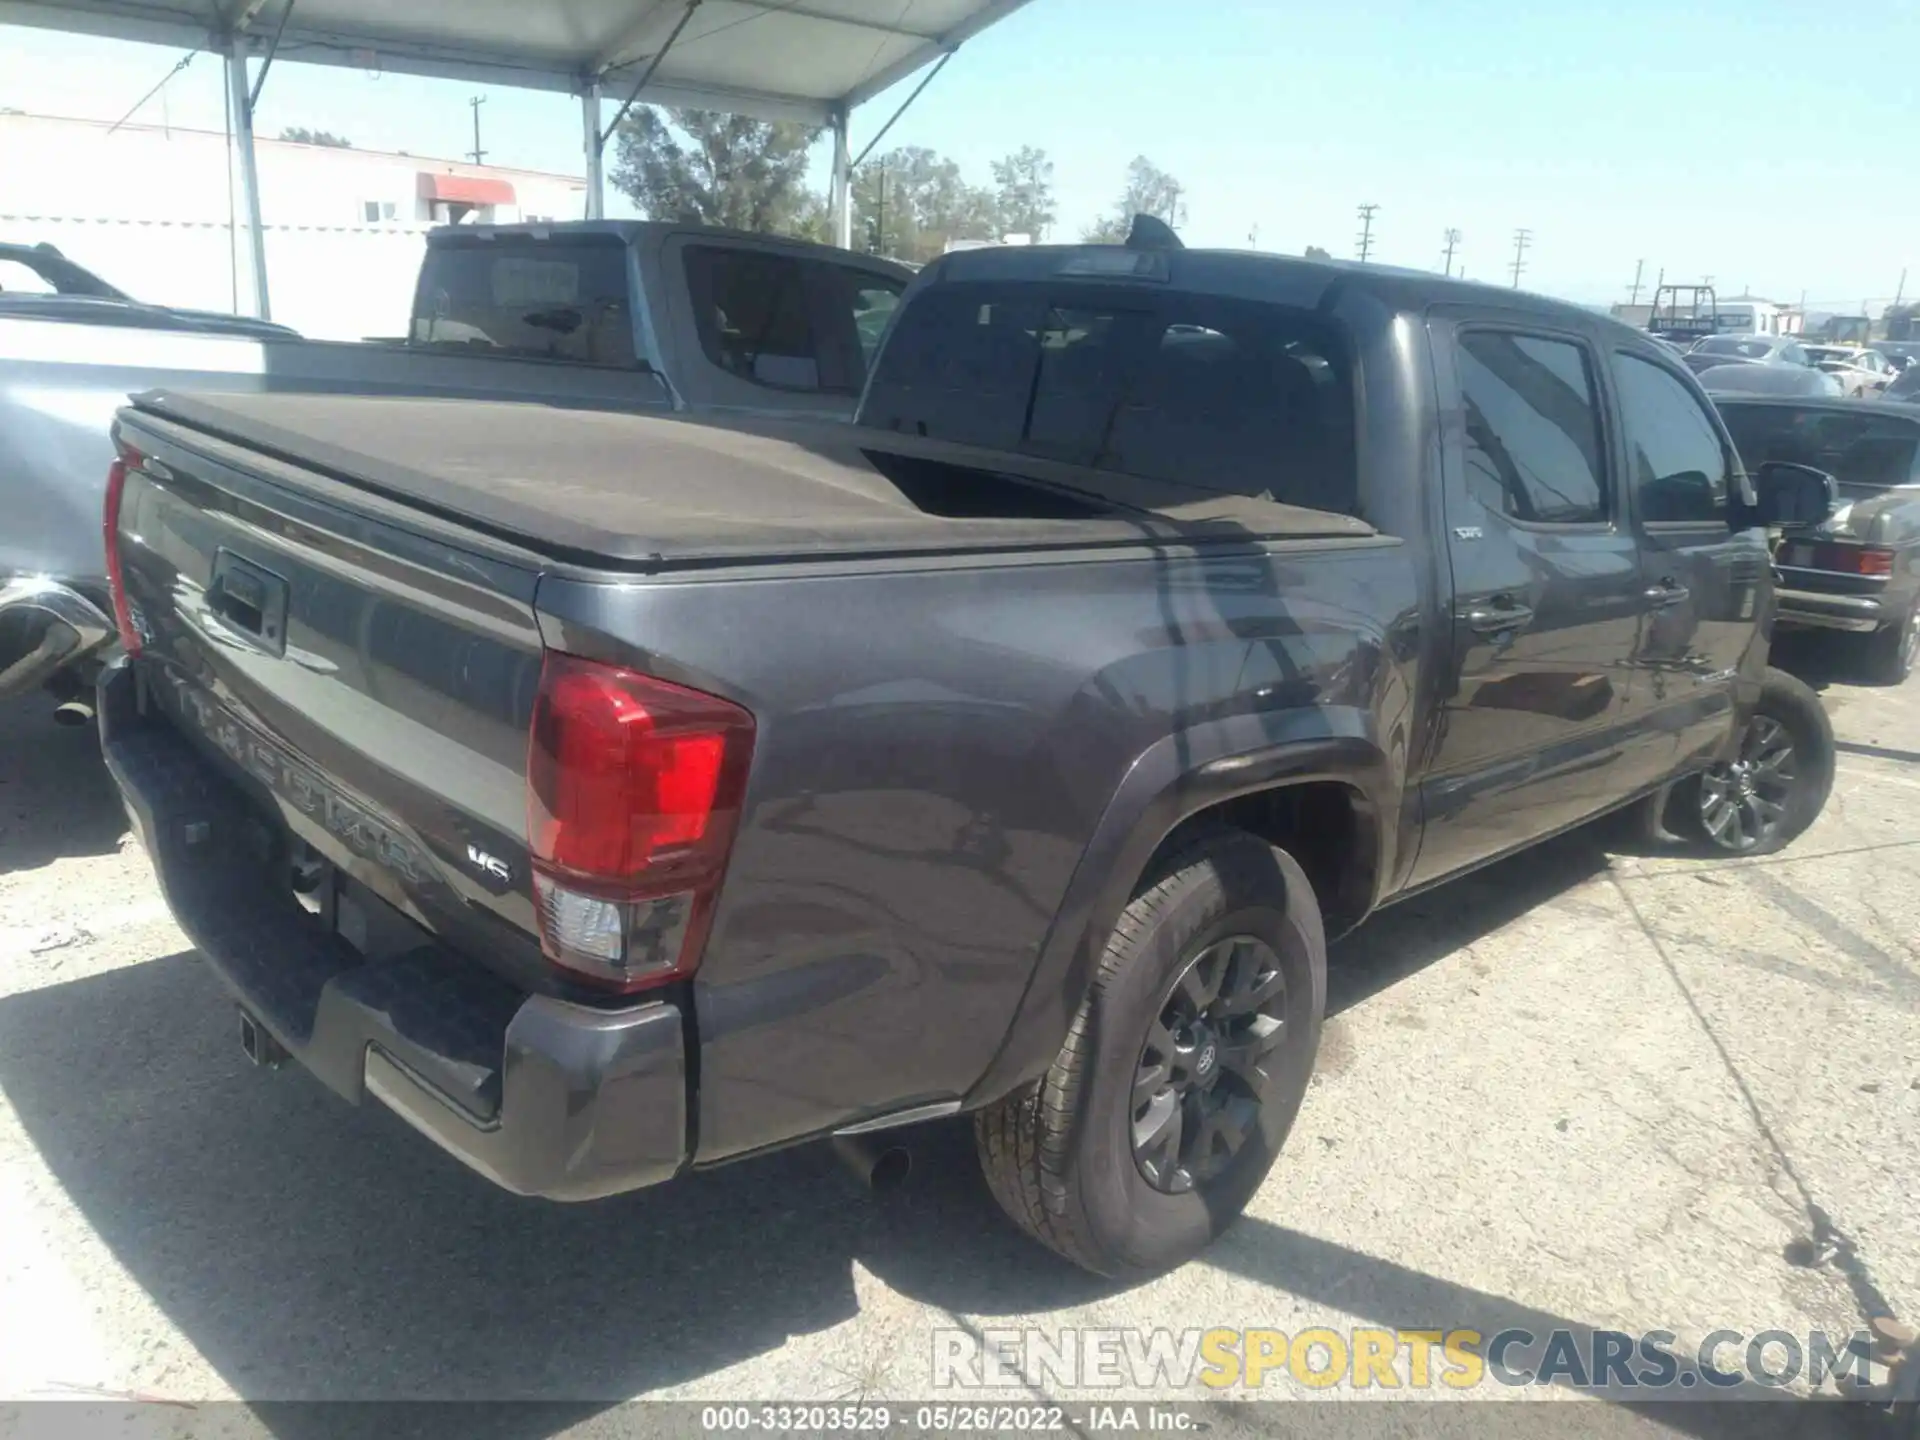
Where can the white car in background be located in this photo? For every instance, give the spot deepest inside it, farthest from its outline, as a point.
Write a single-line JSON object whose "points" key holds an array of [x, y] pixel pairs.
{"points": [[1860, 371]]}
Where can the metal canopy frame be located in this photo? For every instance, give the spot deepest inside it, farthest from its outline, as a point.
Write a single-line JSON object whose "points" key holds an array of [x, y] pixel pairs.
{"points": [[811, 61]]}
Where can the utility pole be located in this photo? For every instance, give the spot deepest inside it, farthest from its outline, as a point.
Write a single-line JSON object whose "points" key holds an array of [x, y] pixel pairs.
{"points": [[1639, 269], [1367, 213], [1522, 238], [478, 154], [1453, 243], [1899, 294]]}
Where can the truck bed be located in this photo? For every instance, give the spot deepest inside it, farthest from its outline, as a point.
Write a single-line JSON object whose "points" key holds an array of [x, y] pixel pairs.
{"points": [[651, 491]]}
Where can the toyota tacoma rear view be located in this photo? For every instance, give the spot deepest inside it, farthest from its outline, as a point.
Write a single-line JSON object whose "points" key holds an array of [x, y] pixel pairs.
{"points": [[613, 795]]}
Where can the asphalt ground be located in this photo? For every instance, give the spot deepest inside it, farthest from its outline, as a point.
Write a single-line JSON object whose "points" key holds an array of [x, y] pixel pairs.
{"points": [[1594, 1089]]}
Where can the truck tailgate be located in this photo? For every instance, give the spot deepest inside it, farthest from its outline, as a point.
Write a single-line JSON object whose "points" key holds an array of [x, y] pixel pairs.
{"points": [[369, 682]]}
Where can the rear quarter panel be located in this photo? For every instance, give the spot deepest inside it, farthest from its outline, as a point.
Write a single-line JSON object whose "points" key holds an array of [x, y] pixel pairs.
{"points": [[937, 748]]}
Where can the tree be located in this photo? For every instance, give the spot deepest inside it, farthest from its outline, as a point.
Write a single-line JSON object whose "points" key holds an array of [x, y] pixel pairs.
{"points": [[1314, 252], [1150, 191], [301, 135], [1107, 230], [1024, 192], [717, 169], [909, 202]]}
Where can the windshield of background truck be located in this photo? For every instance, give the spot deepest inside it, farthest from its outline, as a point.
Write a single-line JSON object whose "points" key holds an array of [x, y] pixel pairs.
{"points": [[1862, 452], [536, 299], [1226, 395]]}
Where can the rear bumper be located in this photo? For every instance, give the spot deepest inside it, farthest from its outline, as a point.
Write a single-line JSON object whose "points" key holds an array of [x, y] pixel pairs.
{"points": [[1816, 610], [45, 626], [542, 1097]]}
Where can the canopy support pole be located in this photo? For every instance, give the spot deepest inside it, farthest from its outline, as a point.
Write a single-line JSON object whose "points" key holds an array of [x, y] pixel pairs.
{"points": [[842, 190], [596, 151], [647, 74], [881, 133], [242, 101]]}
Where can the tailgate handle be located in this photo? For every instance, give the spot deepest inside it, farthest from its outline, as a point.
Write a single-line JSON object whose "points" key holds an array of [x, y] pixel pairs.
{"points": [[251, 600]]}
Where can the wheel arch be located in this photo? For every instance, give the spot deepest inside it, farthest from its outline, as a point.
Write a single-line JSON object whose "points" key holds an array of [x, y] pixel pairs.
{"points": [[1316, 778]]}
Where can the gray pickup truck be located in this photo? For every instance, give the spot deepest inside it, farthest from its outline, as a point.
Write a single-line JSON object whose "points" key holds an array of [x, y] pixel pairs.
{"points": [[602, 314], [613, 795]]}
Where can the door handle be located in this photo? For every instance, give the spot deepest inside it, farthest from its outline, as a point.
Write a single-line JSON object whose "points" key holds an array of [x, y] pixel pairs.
{"points": [[1667, 592], [1498, 614]]}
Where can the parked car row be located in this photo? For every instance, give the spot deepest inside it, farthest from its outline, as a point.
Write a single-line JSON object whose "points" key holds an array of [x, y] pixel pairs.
{"points": [[1785, 365]]}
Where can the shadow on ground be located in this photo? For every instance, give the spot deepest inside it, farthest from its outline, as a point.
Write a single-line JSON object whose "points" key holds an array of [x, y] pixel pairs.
{"points": [[1820, 657], [56, 799], [311, 1249], [1382, 1293], [1406, 938]]}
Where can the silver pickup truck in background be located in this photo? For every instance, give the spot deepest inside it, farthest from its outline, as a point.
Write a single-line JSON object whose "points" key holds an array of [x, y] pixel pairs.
{"points": [[606, 315]]}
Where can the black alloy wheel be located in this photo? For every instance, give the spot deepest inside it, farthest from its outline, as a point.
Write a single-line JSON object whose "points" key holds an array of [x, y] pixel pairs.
{"points": [[1201, 1079]]}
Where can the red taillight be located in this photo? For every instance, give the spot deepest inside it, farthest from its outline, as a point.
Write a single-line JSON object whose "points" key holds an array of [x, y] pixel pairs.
{"points": [[1852, 560], [127, 459], [633, 792]]}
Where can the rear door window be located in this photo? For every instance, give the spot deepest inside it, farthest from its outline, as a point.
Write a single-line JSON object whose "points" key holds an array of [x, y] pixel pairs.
{"points": [[1213, 393], [533, 299], [754, 316], [1533, 437]]}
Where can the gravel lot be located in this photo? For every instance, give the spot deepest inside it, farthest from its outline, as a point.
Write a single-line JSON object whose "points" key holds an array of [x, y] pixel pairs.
{"points": [[1586, 1088]]}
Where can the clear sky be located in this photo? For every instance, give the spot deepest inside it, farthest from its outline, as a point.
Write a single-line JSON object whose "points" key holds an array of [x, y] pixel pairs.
{"points": [[1770, 144]]}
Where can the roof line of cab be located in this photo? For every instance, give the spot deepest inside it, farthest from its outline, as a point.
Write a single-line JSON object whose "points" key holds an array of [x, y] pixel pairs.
{"points": [[1290, 279]]}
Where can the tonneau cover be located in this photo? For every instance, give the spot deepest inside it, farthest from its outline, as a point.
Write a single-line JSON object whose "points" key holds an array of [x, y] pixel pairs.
{"points": [[648, 490]]}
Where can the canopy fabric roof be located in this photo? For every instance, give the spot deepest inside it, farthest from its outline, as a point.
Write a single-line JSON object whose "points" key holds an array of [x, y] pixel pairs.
{"points": [[777, 59]]}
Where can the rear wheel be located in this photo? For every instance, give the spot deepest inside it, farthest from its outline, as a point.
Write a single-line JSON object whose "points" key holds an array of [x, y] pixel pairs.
{"points": [[1775, 785], [1892, 649], [1183, 1070]]}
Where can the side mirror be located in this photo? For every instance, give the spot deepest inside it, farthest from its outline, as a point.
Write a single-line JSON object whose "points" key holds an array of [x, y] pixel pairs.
{"points": [[1789, 494]]}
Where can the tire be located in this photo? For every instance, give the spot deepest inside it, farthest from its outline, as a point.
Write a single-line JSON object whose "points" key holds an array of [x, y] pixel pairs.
{"points": [[1787, 711], [1060, 1155], [1892, 649]]}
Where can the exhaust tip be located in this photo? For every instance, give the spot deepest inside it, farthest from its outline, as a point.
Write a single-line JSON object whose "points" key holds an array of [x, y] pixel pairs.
{"points": [[258, 1045], [878, 1166], [891, 1169], [73, 713]]}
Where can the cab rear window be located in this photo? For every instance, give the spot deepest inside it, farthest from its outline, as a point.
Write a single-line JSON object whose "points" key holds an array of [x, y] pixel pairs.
{"points": [[532, 299], [1220, 394]]}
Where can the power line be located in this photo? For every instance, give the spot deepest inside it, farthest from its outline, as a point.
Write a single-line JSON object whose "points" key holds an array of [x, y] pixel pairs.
{"points": [[1367, 212], [1453, 243], [1522, 238]]}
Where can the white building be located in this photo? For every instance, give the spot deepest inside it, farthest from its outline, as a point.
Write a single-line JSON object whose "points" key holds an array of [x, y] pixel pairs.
{"points": [[148, 209], [1751, 314]]}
